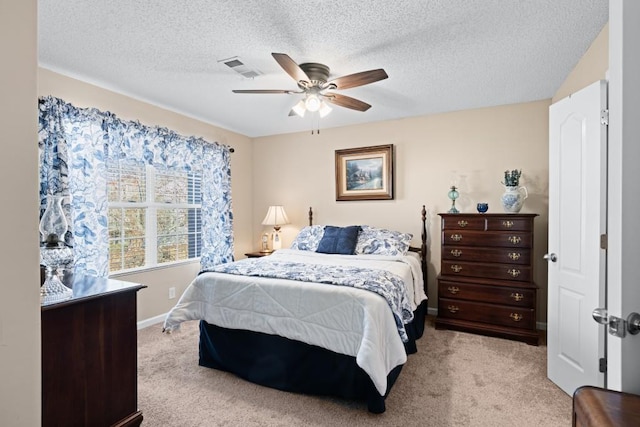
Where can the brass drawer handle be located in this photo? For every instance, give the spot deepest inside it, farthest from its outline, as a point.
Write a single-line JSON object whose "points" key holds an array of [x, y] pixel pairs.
{"points": [[462, 223], [516, 317], [456, 252], [456, 268], [456, 237], [515, 239], [453, 289], [453, 308], [507, 224], [517, 296], [513, 272], [514, 256]]}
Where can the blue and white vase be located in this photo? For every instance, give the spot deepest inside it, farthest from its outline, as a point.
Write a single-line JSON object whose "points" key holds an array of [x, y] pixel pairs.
{"points": [[513, 198]]}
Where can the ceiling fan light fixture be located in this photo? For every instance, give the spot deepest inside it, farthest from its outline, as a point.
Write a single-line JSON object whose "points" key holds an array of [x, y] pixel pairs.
{"points": [[324, 109], [299, 108], [312, 103]]}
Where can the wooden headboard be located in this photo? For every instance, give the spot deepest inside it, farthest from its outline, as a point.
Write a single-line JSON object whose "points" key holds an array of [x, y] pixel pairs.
{"points": [[422, 250]]}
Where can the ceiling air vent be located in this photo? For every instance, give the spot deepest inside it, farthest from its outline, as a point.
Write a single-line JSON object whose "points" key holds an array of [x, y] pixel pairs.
{"points": [[240, 67]]}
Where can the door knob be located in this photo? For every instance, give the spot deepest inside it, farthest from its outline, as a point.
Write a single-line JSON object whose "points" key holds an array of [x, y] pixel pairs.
{"points": [[600, 315], [550, 257], [617, 326], [633, 323]]}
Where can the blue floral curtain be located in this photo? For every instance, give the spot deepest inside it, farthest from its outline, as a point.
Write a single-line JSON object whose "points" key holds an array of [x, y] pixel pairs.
{"points": [[77, 145]]}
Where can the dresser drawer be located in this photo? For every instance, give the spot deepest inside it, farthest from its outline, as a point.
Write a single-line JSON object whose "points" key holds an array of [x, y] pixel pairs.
{"points": [[497, 254], [517, 317], [489, 222], [483, 293], [521, 273], [509, 224], [481, 238], [458, 222]]}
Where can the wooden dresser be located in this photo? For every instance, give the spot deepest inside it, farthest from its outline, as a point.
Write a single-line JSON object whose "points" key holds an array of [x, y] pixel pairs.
{"points": [[486, 277], [89, 356]]}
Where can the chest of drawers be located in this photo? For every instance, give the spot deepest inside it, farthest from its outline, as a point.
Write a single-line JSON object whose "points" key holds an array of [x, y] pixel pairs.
{"points": [[486, 275], [90, 356]]}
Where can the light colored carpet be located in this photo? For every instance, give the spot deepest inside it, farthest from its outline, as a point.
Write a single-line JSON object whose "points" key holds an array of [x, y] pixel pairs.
{"points": [[455, 379]]}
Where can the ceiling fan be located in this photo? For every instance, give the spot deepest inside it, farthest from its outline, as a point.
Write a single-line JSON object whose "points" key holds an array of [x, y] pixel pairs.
{"points": [[312, 77]]}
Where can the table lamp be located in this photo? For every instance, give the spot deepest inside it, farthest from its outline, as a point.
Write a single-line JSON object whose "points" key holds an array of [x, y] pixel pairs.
{"points": [[276, 216], [453, 195]]}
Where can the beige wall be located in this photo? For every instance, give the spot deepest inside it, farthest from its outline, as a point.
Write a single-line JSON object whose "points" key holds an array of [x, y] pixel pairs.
{"points": [[20, 299], [154, 301], [592, 66], [474, 146]]}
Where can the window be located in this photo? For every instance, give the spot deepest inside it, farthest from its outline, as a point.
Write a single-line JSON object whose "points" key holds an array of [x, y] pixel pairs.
{"points": [[155, 216]]}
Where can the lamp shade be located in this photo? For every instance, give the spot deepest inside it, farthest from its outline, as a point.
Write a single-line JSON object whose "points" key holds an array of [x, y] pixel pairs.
{"points": [[299, 108], [312, 102], [275, 216], [324, 109]]}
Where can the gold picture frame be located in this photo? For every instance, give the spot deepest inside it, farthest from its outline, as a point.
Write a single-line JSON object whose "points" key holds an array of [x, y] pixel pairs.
{"points": [[365, 173]]}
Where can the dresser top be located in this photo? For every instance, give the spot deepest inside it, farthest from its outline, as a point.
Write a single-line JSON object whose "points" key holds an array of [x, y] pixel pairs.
{"points": [[88, 287], [494, 215]]}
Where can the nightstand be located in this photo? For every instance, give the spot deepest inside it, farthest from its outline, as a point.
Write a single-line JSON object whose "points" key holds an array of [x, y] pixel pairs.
{"points": [[257, 254]]}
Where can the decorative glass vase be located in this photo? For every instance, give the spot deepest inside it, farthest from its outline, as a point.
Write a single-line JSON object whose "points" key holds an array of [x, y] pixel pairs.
{"points": [[513, 198], [53, 224], [54, 257], [54, 253]]}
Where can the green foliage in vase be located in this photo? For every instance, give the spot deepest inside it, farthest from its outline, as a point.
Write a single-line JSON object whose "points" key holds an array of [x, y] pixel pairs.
{"points": [[512, 178]]}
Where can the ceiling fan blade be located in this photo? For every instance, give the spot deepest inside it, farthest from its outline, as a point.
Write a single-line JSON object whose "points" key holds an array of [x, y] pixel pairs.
{"points": [[346, 101], [262, 91], [290, 66], [358, 79]]}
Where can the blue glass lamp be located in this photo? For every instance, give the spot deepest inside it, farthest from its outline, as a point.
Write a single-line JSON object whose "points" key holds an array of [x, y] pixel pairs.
{"points": [[453, 195]]}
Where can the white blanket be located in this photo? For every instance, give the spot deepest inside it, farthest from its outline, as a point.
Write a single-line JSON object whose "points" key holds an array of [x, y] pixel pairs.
{"points": [[342, 319]]}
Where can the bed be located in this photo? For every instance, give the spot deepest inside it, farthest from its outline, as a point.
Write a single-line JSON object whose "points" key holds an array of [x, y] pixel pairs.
{"points": [[336, 314]]}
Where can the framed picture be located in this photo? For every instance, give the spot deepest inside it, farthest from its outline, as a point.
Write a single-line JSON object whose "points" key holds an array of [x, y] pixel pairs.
{"points": [[365, 173]]}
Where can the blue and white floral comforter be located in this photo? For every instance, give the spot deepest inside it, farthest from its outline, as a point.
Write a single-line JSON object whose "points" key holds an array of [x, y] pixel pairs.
{"points": [[351, 319]]}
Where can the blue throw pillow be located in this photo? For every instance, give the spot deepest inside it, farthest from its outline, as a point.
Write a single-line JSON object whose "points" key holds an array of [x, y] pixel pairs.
{"points": [[339, 240]]}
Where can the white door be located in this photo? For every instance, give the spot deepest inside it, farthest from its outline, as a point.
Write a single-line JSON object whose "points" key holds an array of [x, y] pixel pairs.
{"points": [[623, 265], [577, 219]]}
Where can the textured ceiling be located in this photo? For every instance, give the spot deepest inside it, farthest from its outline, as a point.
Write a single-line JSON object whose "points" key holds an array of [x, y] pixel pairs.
{"points": [[440, 55]]}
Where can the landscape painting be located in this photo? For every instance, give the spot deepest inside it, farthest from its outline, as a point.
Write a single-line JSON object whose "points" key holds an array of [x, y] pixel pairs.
{"points": [[365, 173]]}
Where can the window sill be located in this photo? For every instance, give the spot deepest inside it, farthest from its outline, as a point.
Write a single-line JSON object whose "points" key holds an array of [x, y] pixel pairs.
{"points": [[122, 273]]}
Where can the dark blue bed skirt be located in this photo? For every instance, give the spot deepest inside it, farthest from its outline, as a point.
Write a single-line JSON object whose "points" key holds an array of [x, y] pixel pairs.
{"points": [[289, 365]]}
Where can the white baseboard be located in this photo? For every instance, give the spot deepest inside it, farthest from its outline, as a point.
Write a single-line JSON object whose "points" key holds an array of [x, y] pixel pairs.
{"points": [[542, 326], [151, 321]]}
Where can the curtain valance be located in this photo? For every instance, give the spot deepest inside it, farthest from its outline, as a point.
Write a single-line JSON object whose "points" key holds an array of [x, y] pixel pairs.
{"points": [[77, 145]]}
